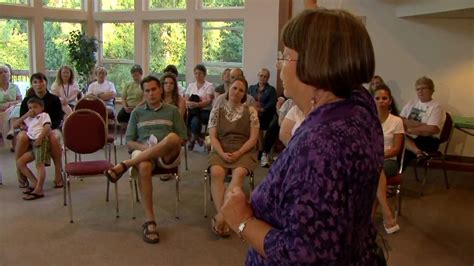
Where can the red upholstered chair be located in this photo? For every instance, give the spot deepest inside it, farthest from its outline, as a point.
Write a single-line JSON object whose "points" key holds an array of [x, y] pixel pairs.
{"points": [[92, 102], [158, 171], [85, 132]]}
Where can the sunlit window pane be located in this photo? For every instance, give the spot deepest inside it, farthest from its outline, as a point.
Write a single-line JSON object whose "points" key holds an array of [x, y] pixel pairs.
{"points": [[171, 4], [222, 3], [73, 4], [116, 5], [55, 35], [118, 40], [14, 2], [222, 45], [167, 46], [14, 43]]}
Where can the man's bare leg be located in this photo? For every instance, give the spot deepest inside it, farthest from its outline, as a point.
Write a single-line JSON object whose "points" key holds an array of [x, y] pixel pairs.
{"points": [[167, 149], [145, 169]]}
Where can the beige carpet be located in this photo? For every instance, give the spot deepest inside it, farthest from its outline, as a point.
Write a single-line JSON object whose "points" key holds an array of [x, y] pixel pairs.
{"points": [[436, 229]]}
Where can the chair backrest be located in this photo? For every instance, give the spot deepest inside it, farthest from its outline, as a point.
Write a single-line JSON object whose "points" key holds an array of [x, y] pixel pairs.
{"points": [[447, 129], [84, 132], [95, 104]]}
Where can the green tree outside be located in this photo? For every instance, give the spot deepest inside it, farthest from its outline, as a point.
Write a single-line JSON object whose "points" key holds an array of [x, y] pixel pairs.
{"points": [[55, 35], [71, 4], [171, 4], [222, 3], [15, 2], [14, 43], [116, 5], [118, 44], [167, 46]]}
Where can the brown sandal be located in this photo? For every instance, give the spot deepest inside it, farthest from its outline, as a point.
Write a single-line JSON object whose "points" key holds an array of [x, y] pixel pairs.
{"points": [[118, 174], [147, 233]]}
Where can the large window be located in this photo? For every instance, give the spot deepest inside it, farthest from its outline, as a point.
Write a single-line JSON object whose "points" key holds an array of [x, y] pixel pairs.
{"points": [[222, 45], [222, 3], [118, 52], [55, 35], [169, 4], [167, 46], [14, 43], [73, 4], [116, 5], [15, 2]]}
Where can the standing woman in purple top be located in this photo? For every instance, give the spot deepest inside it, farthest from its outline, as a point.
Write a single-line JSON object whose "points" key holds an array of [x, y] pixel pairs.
{"points": [[314, 207]]}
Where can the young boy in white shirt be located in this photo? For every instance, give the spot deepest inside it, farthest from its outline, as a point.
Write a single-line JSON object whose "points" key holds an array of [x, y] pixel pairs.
{"points": [[38, 124]]}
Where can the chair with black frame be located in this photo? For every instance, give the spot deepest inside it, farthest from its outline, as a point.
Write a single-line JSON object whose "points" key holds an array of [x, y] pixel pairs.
{"points": [[157, 171], [92, 102], [207, 183], [85, 132], [444, 137]]}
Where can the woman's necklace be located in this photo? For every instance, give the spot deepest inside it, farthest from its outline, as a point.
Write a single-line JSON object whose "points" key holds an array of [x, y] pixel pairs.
{"points": [[66, 93]]}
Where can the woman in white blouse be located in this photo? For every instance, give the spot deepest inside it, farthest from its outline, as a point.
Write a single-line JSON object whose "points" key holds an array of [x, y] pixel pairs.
{"points": [[199, 96], [103, 89]]}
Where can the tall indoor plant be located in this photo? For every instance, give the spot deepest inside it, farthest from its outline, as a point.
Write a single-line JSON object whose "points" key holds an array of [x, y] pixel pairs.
{"points": [[82, 53]]}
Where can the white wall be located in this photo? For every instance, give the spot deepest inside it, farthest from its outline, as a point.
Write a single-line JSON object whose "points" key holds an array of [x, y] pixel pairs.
{"points": [[260, 38], [408, 48]]}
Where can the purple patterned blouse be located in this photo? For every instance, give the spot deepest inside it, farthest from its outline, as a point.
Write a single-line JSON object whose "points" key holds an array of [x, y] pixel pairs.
{"points": [[318, 195]]}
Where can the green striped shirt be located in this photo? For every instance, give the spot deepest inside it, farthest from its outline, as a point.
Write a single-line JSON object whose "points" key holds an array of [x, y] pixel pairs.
{"points": [[159, 122]]}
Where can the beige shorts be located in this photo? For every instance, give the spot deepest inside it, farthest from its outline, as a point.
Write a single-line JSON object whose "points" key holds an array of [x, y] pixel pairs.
{"points": [[156, 163]]}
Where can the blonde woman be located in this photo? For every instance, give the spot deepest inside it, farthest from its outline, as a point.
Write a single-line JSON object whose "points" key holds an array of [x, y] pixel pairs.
{"points": [[66, 89]]}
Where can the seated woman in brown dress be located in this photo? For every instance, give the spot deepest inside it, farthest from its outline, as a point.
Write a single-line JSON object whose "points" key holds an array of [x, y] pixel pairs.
{"points": [[233, 129]]}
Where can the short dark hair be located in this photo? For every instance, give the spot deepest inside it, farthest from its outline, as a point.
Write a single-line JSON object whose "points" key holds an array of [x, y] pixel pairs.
{"points": [[337, 43], [39, 76], [246, 85], [201, 68], [35, 100], [171, 68], [136, 69], [150, 78]]}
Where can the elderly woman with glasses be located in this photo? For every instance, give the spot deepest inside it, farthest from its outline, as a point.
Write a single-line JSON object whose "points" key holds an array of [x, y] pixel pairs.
{"points": [[315, 205]]}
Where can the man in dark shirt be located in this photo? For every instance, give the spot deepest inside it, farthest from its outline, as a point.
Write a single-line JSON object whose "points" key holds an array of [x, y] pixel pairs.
{"points": [[266, 98], [52, 106]]}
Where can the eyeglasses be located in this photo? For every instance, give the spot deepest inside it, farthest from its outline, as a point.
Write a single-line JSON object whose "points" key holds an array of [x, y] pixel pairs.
{"points": [[281, 57]]}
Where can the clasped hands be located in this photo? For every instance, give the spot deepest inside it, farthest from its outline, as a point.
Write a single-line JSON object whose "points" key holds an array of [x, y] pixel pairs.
{"points": [[231, 157], [236, 208]]}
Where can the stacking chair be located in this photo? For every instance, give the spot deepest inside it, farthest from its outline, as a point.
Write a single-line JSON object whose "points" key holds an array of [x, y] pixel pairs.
{"points": [[92, 102], [158, 171], [394, 184], [445, 136], [207, 183], [85, 132]]}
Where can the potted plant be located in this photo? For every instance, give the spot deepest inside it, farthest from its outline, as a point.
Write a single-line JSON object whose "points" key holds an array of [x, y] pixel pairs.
{"points": [[82, 53]]}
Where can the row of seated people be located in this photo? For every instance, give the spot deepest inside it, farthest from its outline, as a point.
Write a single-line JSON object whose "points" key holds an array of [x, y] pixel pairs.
{"points": [[421, 119], [382, 95]]}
